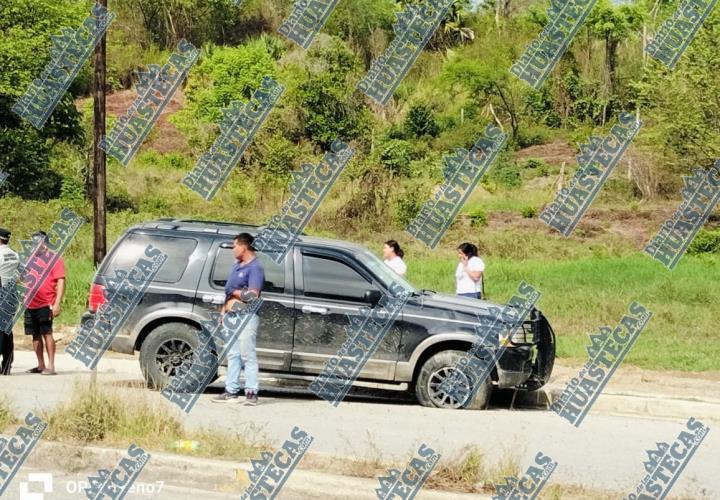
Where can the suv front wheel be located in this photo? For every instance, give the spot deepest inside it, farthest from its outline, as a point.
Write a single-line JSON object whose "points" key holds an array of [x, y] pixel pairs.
{"points": [[164, 350], [437, 369]]}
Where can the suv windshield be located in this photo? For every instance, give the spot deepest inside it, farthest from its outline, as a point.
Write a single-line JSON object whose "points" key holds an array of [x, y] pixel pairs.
{"points": [[383, 272]]}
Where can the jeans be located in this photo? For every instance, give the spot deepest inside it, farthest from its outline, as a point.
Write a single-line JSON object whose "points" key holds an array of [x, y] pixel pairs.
{"points": [[472, 295], [243, 356]]}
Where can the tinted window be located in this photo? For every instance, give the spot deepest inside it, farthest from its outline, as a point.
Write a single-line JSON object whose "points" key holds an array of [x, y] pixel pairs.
{"points": [[274, 274], [132, 248], [330, 278]]}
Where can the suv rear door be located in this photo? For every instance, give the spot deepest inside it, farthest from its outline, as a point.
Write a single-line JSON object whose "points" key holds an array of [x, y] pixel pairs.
{"points": [[331, 285], [275, 334]]}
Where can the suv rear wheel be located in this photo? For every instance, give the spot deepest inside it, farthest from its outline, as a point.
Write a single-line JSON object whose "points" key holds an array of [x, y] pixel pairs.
{"points": [[164, 350], [438, 368]]}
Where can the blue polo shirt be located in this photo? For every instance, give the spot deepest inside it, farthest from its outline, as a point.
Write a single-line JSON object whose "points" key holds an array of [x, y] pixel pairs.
{"points": [[250, 275]]}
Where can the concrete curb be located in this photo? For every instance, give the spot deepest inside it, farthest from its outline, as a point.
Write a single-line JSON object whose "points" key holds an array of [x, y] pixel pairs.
{"points": [[648, 405], [223, 476]]}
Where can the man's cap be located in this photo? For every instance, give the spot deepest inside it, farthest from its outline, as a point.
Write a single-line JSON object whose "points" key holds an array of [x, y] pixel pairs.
{"points": [[4, 234]]}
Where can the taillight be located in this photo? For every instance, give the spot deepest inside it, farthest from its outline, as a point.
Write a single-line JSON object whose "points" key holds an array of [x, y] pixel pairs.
{"points": [[97, 296]]}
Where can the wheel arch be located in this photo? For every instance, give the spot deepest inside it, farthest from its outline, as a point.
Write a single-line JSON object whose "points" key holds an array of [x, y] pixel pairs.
{"points": [[460, 342], [152, 324]]}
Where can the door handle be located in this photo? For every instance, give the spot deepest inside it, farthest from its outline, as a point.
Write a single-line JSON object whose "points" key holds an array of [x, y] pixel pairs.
{"points": [[314, 309], [213, 299]]}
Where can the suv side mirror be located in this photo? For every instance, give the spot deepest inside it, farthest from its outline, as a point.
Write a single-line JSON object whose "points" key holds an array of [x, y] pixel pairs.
{"points": [[372, 297]]}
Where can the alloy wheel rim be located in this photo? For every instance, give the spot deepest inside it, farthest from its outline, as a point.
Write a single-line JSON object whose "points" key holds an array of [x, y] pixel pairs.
{"points": [[171, 354], [440, 395]]}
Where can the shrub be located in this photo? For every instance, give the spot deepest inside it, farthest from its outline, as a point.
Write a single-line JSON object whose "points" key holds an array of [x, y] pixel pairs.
{"points": [[507, 174], [619, 188], [408, 206], [528, 212], [538, 166], [478, 217], [328, 105], [706, 241], [164, 161], [25, 157], [420, 121], [227, 74], [396, 132], [118, 200], [155, 204], [395, 156], [531, 136], [276, 160]]}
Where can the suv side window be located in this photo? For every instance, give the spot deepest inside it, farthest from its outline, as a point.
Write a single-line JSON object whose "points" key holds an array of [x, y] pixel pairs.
{"points": [[330, 278], [274, 273], [178, 252]]}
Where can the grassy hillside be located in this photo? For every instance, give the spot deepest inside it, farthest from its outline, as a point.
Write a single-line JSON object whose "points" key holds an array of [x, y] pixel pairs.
{"points": [[586, 280]]}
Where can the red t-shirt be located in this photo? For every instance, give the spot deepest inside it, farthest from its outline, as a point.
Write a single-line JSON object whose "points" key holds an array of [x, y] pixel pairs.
{"points": [[46, 294]]}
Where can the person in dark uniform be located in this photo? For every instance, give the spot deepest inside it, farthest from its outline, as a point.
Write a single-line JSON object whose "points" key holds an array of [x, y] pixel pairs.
{"points": [[9, 263]]}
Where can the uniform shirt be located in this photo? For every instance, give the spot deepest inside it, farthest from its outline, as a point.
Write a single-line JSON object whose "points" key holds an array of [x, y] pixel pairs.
{"points": [[9, 262], [47, 292], [464, 284], [250, 275], [397, 265]]}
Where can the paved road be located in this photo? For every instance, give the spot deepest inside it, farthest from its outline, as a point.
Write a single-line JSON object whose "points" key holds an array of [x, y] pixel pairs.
{"points": [[606, 452]]}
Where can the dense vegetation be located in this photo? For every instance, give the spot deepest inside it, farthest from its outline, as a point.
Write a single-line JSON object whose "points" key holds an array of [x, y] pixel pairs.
{"points": [[459, 84]]}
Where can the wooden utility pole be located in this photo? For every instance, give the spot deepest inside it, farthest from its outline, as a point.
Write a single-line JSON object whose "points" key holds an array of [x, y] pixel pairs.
{"points": [[99, 241]]}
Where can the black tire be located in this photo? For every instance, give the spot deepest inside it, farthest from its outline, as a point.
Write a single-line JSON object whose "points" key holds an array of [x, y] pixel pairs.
{"points": [[164, 350], [438, 367]]}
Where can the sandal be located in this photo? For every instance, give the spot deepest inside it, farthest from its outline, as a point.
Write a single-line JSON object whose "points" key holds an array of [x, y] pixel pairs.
{"points": [[34, 370], [48, 372]]}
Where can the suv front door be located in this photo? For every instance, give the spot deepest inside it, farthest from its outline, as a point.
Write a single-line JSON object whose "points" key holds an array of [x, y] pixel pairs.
{"points": [[275, 333], [329, 286]]}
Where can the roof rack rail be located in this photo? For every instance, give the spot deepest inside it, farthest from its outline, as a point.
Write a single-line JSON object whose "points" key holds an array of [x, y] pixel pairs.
{"points": [[217, 222], [169, 221]]}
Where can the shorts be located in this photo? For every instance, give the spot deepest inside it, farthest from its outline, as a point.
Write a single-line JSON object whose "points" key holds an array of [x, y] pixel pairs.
{"points": [[38, 321]]}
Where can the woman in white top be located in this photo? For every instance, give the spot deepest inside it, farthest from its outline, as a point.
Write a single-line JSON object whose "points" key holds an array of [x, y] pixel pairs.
{"points": [[393, 255], [469, 272]]}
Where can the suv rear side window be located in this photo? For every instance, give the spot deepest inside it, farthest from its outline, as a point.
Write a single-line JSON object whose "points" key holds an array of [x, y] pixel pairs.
{"points": [[330, 278], [274, 274], [178, 252]]}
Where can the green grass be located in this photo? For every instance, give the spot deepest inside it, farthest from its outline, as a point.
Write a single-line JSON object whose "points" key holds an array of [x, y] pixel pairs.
{"points": [[580, 295]]}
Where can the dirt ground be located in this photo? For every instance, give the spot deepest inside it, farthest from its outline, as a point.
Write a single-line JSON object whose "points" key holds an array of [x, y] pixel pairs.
{"points": [[165, 137], [628, 378]]}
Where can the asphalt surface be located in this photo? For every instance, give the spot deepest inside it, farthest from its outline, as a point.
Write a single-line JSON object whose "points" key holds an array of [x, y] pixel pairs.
{"points": [[606, 452]]}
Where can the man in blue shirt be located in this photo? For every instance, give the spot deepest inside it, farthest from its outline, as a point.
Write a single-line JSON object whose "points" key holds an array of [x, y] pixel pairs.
{"points": [[243, 285]]}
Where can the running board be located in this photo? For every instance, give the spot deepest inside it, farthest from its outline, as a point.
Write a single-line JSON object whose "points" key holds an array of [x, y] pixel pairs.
{"points": [[268, 377]]}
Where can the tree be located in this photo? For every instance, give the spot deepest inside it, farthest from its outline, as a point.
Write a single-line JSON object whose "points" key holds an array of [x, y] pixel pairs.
{"points": [[26, 26], [614, 24], [326, 100], [487, 81]]}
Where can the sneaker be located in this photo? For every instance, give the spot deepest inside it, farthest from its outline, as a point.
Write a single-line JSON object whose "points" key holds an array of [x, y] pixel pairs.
{"points": [[226, 397], [251, 399]]}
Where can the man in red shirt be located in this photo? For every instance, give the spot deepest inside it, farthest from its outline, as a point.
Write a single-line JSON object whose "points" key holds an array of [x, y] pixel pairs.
{"points": [[45, 305]]}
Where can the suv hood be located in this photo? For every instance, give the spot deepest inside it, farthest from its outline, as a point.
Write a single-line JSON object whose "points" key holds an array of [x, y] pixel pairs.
{"points": [[454, 307]]}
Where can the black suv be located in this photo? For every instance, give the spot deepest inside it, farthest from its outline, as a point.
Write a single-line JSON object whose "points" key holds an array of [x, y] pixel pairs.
{"points": [[307, 300]]}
